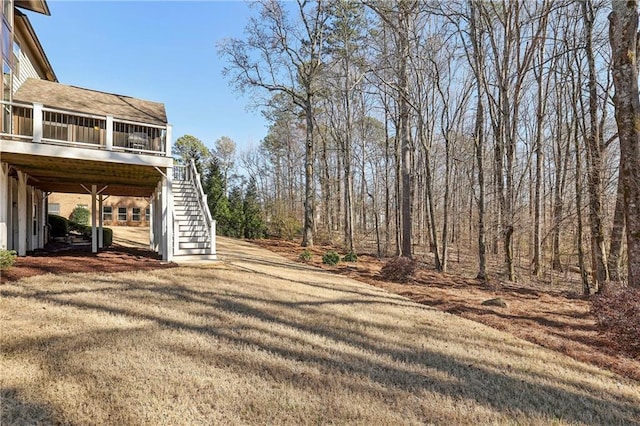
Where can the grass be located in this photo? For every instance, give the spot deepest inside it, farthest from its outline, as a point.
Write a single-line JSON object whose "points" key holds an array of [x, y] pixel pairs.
{"points": [[257, 339]]}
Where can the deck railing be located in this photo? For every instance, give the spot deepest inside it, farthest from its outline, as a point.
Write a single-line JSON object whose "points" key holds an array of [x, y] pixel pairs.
{"points": [[39, 124]]}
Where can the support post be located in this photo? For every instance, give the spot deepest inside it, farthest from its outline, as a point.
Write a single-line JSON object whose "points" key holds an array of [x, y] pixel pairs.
{"points": [[109, 140], [44, 220], [22, 213], [167, 142], [100, 232], [32, 228], [37, 122], [212, 249], [159, 242], [167, 217], [5, 204], [152, 221], [94, 207]]}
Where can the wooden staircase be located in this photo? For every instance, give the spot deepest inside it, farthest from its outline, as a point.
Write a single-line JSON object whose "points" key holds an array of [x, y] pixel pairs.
{"points": [[194, 229]]}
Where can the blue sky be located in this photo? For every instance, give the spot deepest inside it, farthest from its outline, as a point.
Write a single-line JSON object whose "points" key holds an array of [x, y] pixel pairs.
{"points": [[163, 51]]}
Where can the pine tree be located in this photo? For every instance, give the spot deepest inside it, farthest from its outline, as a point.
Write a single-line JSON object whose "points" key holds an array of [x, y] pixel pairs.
{"points": [[236, 213], [253, 224], [216, 196]]}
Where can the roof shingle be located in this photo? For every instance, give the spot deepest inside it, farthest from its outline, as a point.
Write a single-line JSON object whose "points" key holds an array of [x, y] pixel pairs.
{"points": [[56, 95]]}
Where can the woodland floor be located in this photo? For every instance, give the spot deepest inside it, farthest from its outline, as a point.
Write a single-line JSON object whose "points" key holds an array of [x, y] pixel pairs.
{"points": [[555, 317]]}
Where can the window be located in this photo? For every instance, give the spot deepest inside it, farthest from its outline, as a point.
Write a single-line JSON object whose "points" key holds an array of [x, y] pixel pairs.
{"points": [[6, 42], [16, 59], [122, 214], [147, 214], [54, 208], [7, 9], [6, 96], [135, 214], [82, 206], [107, 213]]}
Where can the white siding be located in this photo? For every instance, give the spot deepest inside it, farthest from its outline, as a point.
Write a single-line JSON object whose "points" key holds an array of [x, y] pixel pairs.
{"points": [[25, 70]]}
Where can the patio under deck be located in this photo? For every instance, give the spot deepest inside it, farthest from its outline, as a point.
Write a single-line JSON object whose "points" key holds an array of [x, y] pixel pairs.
{"points": [[57, 138]]}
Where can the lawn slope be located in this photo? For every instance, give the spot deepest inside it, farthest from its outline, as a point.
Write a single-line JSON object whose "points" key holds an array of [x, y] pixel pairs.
{"points": [[256, 339]]}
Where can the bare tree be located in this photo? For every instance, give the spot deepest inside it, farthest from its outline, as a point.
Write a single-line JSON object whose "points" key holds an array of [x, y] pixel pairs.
{"points": [[595, 152], [398, 17], [623, 36], [281, 55]]}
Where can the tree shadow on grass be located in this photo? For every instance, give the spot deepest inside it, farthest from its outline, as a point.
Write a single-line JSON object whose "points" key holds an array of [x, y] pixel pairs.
{"points": [[474, 379], [16, 410]]}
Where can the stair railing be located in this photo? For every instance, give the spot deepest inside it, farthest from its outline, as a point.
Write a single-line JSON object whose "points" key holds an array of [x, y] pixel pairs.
{"points": [[194, 177]]}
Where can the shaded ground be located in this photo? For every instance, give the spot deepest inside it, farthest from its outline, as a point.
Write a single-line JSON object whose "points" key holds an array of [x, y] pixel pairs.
{"points": [[557, 319], [259, 339], [128, 253]]}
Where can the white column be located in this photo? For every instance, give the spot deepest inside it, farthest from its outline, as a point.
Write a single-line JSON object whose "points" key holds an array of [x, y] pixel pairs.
{"points": [[94, 207], [100, 236], [12, 193], [43, 219], [109, 141], [22, 213], [213, 237], [167, 218], [31, 201], [152, 220], [168, 142], [5, 204], [159, 224], [37, 122]]}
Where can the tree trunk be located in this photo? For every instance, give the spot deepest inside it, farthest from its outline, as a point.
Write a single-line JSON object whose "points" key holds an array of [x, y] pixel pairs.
{"points": [[594, 169], [387, 185], [581, 263], [477, 65], [540, 114], [404, 128], [309, 187], [617, 232], [623, 36], [445, 219], [325, 186]]}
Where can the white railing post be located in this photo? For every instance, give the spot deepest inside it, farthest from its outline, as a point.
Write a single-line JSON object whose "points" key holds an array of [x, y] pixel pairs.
{"points": [[212, 248], [167, 140], [37, 122], [109, 141], [176, 234]]}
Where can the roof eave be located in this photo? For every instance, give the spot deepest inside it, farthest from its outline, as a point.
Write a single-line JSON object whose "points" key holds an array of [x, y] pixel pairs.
{"points": [[38, 6], [37, 46]]}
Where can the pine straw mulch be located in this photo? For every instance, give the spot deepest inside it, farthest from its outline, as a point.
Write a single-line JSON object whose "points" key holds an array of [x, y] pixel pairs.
{"points": [[559, 320], [116, 258]]}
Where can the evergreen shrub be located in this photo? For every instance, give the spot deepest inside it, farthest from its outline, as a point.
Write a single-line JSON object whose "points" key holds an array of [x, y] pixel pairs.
{"points": [[331, 258]]}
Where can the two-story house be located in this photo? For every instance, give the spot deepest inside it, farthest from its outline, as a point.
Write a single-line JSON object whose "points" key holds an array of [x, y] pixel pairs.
{"points": [[66, 139]]}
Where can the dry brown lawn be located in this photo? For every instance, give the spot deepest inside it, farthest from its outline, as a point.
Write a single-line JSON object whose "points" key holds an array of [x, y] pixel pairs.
{"points": [[257, 339]]}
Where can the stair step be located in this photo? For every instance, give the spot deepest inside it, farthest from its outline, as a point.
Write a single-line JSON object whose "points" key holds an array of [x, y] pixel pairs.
{"points": [[194, 258], [187, 215], [193, 231], [193, 236], [193, 251], [192, 226], [193, 245]]}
